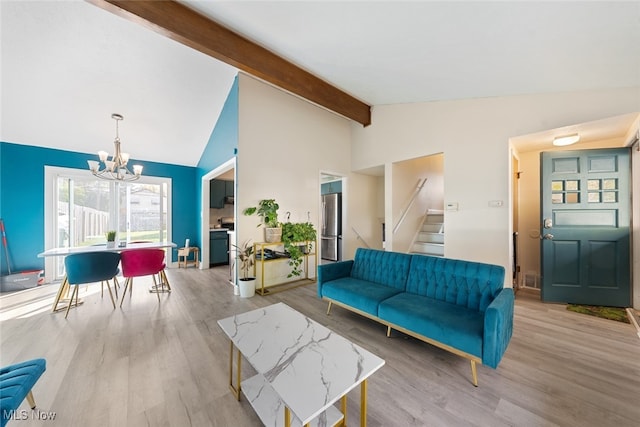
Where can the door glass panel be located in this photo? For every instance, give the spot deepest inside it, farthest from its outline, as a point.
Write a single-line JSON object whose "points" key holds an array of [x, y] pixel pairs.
{"points": [[609, 184], [557, 198], [593, 184], [557, 185], [571, 185], [573, 198], [609, 197], [594, 197], [143, 212]]}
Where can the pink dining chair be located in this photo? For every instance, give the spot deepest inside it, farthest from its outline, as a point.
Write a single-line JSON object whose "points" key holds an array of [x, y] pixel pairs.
{"points": [[143, 262]]}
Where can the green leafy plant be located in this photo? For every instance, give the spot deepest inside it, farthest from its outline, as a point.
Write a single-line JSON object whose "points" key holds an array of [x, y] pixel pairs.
{"points": [[298, 238], [267, 209], [244, 255], [111, 236]]}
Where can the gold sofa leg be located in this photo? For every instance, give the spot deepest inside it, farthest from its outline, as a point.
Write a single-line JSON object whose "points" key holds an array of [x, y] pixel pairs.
{"points": [[329, 308], [474, 373]]}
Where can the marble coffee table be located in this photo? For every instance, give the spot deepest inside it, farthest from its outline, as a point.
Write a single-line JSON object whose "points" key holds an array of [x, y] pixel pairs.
{"points": [[303, 368]]}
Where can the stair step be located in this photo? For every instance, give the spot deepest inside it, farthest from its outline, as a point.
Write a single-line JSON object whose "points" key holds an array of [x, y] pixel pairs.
{"points": [[430, 237], [428, 248], [433, 228], [435, 218]]}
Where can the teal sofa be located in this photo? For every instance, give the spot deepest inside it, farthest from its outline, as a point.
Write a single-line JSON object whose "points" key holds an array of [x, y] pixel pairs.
{"points": [[460, 306]]}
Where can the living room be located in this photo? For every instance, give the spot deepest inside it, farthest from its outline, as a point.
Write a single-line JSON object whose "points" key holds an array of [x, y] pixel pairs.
{"points": [[283, 145]]}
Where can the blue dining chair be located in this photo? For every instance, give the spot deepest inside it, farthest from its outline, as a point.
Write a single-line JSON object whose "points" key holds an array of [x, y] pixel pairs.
{"points": [[90, 267]]}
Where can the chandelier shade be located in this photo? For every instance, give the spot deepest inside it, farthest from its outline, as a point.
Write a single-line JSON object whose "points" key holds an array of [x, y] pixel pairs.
{"points": [[116, 168]]}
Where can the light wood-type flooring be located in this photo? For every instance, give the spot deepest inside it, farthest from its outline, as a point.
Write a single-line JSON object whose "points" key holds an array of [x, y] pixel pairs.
{"points": [[166, 364]]}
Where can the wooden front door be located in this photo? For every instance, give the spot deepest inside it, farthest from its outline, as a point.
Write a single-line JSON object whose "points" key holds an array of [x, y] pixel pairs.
{"points": [[585, 227]]}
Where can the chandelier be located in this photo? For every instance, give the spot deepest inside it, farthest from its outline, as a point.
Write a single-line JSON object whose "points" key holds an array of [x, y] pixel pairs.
{"points": [[115, 169]]}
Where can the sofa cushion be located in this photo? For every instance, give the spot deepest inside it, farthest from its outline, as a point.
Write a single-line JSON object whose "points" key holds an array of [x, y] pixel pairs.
{"points": [[469, 284], [360, 294], [450, 324], [384, 268]]}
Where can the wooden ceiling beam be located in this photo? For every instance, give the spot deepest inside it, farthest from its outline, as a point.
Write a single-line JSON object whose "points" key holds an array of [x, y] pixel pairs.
{"points": [[184, 25]]}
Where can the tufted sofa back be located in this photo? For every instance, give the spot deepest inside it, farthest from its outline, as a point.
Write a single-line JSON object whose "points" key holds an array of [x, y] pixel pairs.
{"points": [[385, 268], [470, 284]]}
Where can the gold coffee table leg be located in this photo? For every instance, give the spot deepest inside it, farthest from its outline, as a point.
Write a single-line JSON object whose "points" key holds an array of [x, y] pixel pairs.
{"points": [[235, 390], [363, 404]]}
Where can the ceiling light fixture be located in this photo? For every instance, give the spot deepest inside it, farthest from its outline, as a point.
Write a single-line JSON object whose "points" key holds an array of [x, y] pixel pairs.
{"points": [[561, 141], [115, 169]]}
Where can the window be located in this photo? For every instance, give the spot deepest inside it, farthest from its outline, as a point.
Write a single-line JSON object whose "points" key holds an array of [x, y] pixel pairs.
{"points": [[80, 209]]}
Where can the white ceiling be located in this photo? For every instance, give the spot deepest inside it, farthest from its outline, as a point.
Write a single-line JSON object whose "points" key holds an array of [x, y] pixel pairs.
{"points": [[66, 66]]}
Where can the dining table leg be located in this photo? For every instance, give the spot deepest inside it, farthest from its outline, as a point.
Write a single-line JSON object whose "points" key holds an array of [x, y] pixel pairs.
{"points": [[64, 290]]}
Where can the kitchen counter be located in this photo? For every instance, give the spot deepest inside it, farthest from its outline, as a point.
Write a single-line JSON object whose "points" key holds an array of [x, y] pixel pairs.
{"points": [[218, 229]]}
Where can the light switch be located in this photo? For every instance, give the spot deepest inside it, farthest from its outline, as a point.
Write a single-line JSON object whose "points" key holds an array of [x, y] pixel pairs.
{"points": [[452, 206]]}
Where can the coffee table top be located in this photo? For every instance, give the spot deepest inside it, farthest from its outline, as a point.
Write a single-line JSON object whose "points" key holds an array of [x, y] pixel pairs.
{"points": [[309, 366]]}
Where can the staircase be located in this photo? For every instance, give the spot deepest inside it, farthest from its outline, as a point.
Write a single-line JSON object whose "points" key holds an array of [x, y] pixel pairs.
{"points": [[429, 239]]}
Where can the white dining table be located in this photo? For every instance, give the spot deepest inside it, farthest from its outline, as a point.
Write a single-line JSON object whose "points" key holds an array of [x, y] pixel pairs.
{"points": [[56, 252]]}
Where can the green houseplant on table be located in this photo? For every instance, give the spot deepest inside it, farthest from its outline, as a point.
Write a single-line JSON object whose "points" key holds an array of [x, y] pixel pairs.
{"points": [[244, 255], [297, 238], [111, 238], [267, 209]]}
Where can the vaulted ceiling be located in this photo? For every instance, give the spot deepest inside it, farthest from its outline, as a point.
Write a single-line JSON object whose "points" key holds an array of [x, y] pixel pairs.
{"points": [[67, 65]]}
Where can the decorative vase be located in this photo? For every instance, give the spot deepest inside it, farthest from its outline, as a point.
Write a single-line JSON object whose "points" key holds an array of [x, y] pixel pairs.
{"points": [[247, 287], [273, 235], [111, 244]]}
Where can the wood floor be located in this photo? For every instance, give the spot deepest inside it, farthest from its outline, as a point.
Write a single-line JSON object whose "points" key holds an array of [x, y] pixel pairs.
{"points": [[166, 364]]}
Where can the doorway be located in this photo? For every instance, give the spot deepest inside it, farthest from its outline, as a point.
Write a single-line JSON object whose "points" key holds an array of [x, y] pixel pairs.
{"points": [[212, 216], [586, 238], [330, 239]]}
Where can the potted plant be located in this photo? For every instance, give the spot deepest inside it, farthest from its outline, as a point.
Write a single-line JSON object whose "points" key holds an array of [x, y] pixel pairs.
{"points": [[111, 238], [267, 209], [244, 255], [298, 238]]}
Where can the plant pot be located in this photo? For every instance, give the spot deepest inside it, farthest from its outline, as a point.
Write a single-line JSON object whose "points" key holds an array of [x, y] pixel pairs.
{"points": [[247, 287], [273, 235], [111, 245]]}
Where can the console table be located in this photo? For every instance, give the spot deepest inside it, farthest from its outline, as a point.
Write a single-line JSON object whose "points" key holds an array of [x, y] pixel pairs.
{"points": [[303, 368], [261, 263]]}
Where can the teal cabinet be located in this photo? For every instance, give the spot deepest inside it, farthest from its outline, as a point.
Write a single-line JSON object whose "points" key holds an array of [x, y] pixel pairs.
{"points": [[219, 248], [229, 188], [217, 193], [219, 190]]}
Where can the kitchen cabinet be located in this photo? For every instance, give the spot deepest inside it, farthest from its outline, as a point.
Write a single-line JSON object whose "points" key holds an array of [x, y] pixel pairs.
{"points": [[219, 190], [219, 248], [217, 193]]}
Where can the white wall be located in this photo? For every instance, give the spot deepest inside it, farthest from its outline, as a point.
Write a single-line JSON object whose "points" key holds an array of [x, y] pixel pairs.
{"points": [[474, 137], [363, 194], [284, 142]]}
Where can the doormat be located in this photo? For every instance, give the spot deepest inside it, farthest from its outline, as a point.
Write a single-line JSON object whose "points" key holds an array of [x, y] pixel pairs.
{"points": [[611, 313]]}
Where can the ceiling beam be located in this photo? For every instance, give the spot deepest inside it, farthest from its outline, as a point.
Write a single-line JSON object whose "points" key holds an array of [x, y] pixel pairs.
{"points": [[190, 28]]}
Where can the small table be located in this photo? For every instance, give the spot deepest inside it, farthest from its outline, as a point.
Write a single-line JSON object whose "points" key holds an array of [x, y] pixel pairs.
{"points": [[183, 256], [303, 367]]}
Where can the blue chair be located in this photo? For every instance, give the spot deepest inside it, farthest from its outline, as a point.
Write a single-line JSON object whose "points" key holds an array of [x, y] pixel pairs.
{"points": [[90, 267], [16, 382]]}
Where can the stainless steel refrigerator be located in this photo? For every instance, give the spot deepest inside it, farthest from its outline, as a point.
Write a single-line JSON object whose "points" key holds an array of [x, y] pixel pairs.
{"points": [[331, 233]]}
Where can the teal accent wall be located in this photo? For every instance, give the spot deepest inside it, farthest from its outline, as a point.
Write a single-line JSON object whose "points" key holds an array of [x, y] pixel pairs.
{"points": [[22, 199], [223, 142]]}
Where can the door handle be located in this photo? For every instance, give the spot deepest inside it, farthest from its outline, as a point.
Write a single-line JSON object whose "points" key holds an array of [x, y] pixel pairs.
{"points": [[547, 236]]}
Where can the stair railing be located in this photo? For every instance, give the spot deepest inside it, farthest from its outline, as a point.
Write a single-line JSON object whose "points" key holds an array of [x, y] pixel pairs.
{"points": [[359, 237], [416, 191]]}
